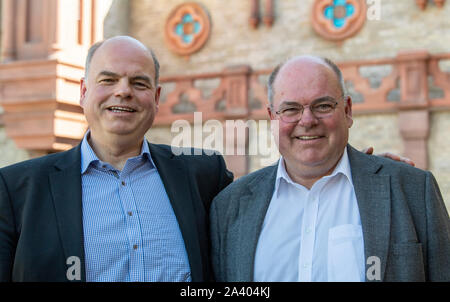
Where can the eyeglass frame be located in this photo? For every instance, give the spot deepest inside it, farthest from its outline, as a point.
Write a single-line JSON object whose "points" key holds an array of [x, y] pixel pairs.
{"points": [[336, 102]]}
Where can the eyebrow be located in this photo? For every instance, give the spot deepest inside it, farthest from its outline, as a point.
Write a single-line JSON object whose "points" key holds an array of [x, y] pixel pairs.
{"points": [[318, 100], [108, 74], [143, 78], [115, 75]]}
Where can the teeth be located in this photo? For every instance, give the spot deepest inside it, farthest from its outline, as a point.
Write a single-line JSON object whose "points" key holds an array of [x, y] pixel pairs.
{"points": [[308, 137], [120, 109]]}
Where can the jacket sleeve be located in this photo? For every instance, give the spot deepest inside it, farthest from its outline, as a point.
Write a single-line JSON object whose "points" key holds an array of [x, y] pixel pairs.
{"points": [[7, 233], [438, 232], [215, 234], [226, 176]]}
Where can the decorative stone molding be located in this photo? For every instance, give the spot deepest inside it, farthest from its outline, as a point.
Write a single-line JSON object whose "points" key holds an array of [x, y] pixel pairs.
{"points": [[39, 99], [254, 14], [439, 3], [44, 43], [413, 113], [338, 20], [415, 128], [187, 28], [268, 17], [422, 4]]}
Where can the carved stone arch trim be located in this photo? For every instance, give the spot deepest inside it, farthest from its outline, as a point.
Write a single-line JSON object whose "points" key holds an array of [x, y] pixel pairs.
{"points": [[338, 20], [187, 28]]}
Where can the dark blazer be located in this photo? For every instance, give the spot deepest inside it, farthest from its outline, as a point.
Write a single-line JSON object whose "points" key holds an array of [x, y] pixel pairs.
{"points": [[404, 221], [41, 211]]}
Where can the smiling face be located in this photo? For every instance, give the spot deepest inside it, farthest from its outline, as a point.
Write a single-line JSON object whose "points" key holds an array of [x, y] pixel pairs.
{"points": [[120, 97], [310, 147]]}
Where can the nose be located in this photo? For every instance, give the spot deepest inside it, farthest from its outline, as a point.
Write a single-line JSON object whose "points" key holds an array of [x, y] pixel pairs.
{"points": [[308, 119], [123, 89]]}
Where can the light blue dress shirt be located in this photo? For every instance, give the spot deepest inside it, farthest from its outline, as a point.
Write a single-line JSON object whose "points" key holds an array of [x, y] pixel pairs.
{"points": [[130, 230]]}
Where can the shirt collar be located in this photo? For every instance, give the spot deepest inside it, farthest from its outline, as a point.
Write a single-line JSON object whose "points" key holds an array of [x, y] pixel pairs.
{"points": [[343, 167], [88, 155]]}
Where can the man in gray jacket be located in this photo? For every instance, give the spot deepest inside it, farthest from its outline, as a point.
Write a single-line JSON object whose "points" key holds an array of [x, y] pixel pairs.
{"points": [[325, 211]]}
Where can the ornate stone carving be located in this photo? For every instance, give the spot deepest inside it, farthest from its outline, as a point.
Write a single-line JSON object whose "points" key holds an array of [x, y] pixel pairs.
{"points": [[439, 3], [254, 14], [422, 4], [187, 28], [338, 19], [268, 18]]}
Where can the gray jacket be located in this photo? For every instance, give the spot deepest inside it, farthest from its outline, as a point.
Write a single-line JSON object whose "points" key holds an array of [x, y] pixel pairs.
{"points": [[404, 220]]}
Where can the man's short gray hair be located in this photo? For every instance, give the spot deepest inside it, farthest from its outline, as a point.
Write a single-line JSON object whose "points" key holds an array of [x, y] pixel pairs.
{"points": [[97, 45], [326, 61]]}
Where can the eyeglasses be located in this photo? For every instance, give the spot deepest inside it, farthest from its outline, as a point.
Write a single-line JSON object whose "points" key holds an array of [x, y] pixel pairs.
{"points": [[320, 109]]}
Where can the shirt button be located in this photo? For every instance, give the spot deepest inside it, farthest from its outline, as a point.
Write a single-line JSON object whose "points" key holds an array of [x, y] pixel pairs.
{"points": [[130, 213], [135, 247], [308, 230], [305, 265], [123, 183]]}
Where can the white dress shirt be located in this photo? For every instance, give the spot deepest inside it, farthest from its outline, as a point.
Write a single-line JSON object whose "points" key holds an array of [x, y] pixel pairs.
{"points": [[312, 235]]}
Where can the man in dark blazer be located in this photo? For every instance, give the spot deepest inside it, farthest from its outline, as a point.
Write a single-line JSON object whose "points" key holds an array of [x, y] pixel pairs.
{"points": [[54, 213], [325, 211]]}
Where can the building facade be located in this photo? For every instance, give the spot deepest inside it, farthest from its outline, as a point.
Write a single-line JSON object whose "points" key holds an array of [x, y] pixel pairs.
{"points": [[215, 57]]}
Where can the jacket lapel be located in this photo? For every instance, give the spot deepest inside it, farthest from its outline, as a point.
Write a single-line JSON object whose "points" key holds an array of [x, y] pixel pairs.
{"points": [[65, 186], [254, 204], [176, 182], [373, 195]]}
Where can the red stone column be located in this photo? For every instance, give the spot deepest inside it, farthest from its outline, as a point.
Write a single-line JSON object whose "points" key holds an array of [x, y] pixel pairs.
{"points": [[8, 35], [236, 114], [413, 116], [236, 146], [237, 78]]}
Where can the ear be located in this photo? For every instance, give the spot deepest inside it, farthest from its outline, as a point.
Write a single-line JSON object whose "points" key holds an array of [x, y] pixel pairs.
{"points": [[270, 112], [157, 95], [348, 111], [82, 91]]}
